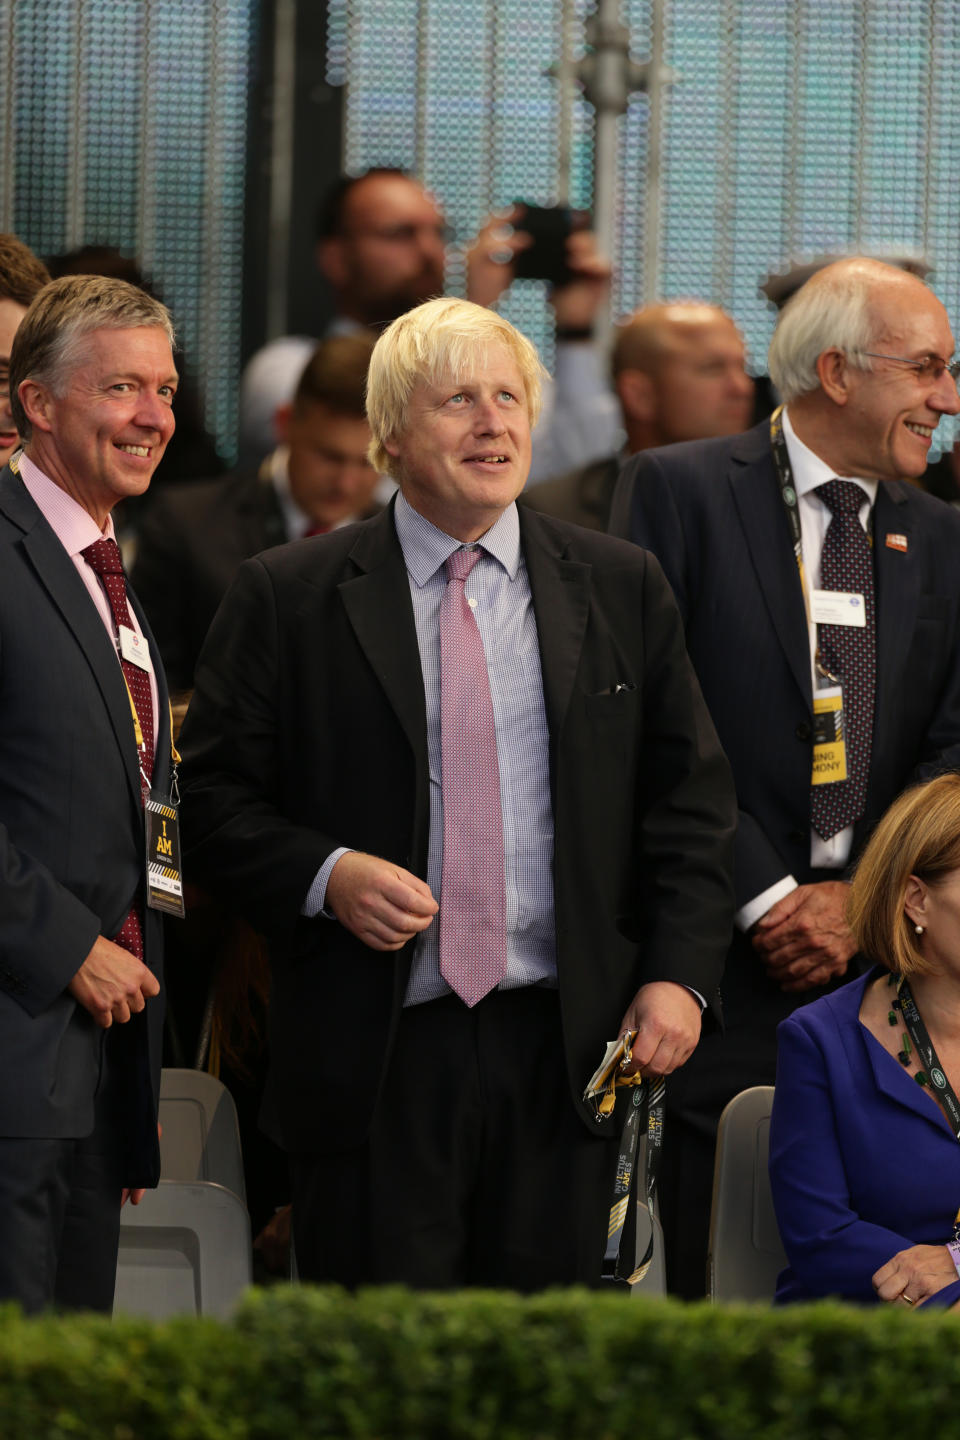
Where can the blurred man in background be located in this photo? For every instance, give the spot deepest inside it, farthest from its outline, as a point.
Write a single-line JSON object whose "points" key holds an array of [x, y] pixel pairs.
{"points": [[22, 275], [381, 248], [679, 371], [317, 478]]}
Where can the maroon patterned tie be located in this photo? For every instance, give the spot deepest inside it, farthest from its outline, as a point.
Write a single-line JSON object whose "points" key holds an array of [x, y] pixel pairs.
{"points": [[849, 652], [473, 905], [103, 556]]}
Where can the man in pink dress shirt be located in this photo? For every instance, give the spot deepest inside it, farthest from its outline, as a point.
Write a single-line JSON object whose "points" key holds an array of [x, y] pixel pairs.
{"points": [[84, 741]]}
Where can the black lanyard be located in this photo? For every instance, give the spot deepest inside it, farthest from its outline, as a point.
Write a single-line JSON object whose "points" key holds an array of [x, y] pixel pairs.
{"points": [[646, 1105], [932, 1072]]}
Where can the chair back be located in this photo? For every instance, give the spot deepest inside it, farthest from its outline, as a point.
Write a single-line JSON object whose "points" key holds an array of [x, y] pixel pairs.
{"points": [[200, 1137], [746, 1254], [184, 1250]]}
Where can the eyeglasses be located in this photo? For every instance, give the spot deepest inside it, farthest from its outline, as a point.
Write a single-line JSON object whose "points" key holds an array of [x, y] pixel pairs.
{"points": [[929, 368], [407, 234]]}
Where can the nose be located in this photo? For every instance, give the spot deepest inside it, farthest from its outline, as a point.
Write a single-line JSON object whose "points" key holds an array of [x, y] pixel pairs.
{"points": [[487, 419], [154, 413], [742, 382], [431, 247], [944, 396]]}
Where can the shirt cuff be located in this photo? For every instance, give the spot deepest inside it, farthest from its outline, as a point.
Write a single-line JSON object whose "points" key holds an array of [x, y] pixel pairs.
{"points": [[755, 909], [317, 894], [696, 995]]}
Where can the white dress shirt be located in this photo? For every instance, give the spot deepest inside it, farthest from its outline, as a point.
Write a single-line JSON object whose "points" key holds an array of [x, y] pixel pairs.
{"points": [[809, 471]]}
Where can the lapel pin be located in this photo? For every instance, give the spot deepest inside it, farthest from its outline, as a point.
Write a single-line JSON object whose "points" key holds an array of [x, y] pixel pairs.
{"points": [[897, 542]]}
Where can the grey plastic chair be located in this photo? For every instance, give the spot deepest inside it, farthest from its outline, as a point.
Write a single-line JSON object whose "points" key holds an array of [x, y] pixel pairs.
{"points": [[746, 1253], [184, 1250], [201, 1138]]}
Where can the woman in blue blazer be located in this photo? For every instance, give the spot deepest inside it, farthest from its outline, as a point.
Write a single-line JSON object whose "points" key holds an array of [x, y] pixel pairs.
{"points": [[864, 1154]]}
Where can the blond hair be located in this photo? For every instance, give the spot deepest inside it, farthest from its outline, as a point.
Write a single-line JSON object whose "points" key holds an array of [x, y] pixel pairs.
{"points": [[919, 835], [444, 337]]}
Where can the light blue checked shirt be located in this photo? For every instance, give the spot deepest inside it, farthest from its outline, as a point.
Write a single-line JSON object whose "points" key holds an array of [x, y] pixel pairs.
{"points": [[499, 585]]}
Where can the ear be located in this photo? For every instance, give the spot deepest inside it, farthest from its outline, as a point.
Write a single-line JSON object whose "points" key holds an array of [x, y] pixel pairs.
{"points": [[915, 901], [37, 401], [833, 372], [391, 446], [330, 254], [637, 395], [281, 423]]}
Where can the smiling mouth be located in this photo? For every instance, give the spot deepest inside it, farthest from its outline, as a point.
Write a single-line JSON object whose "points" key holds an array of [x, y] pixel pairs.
{"points": [[142, 450], [488, 459], [924, 431]]}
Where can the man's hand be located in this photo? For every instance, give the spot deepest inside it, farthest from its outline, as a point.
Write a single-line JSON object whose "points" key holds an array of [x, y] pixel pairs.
{"points": [[112, 984], [134, 1196], [577, 303], [490, 268], [666, 1018], [381, 903], [804, 939], [915, 1274]]}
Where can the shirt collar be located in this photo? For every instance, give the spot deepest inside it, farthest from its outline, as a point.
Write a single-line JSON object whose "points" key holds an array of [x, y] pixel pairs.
{"points": [[809, 470], [73, 526], [426, 549]]}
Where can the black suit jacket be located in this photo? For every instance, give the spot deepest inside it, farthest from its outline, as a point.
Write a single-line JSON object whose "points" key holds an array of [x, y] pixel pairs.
{"points": [[194, 539], [582, 496], [71, 842], [712, 513], [308, 731]]}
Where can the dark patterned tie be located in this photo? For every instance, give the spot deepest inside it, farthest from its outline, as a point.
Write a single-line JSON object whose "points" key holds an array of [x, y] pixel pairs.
{"points": [[849, 652], [103, 556], [473, 907]]}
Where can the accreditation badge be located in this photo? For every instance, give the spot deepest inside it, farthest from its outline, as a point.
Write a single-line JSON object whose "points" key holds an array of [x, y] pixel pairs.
{"points": [[164, 873], [829, 747]]}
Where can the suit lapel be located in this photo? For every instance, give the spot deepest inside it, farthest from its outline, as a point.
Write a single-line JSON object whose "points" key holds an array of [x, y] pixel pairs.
{"points": [[561, 601], [756, 493], [377, 602], [898, 580], [57, 574]]}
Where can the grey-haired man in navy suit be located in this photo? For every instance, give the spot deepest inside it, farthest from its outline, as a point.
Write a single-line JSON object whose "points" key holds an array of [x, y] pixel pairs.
{"points": [[821, 732]]}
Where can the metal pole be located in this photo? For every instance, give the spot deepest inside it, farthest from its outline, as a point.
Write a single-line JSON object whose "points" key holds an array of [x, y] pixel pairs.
{"points": [[653, 194], [609, 78], [281, 166], [566, 76]]}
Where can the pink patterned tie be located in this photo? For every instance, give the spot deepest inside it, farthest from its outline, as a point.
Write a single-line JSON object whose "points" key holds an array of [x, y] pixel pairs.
{"points": [[473, 892], [103, 556]]}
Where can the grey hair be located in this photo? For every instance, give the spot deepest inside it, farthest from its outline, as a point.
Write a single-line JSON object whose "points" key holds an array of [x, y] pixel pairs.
{"points": [[832, 310], [52, 332]]}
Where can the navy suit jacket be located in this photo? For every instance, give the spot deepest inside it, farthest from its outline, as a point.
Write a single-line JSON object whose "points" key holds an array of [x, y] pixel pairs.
{"points": [[863, 1163], [71, 842], [308, 730], [712, 514]]}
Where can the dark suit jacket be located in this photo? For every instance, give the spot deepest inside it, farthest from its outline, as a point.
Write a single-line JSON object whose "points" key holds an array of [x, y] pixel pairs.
{"points": [[712, 514], [194, 539], [582, 496], [862, 1162], [308, 731], [71, 842]]}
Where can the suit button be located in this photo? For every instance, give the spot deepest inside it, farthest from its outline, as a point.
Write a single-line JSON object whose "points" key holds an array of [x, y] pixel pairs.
{"points": [[797, 835], [803, 731]]}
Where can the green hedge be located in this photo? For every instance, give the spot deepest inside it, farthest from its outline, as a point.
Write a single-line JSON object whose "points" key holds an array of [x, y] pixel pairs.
{"points": [[304, 1363]]}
